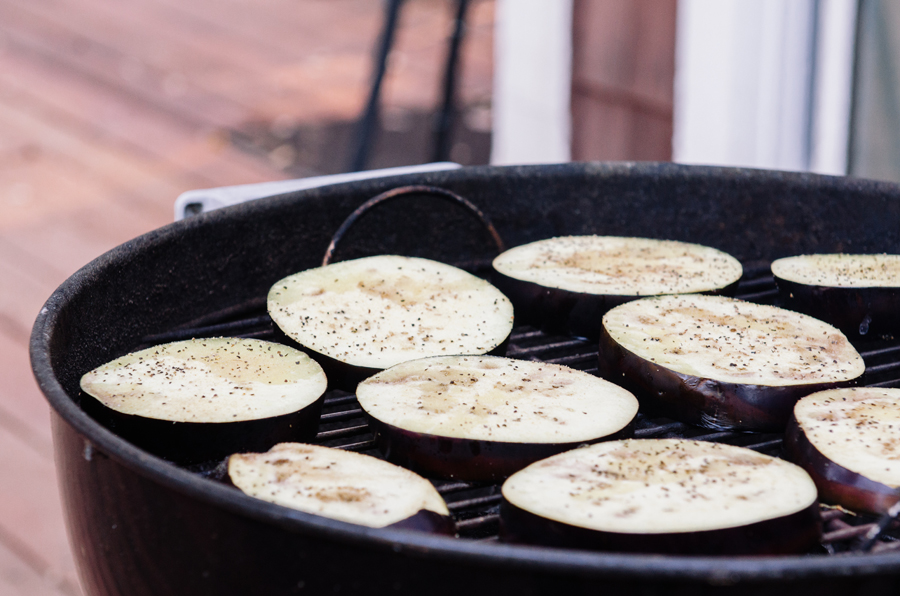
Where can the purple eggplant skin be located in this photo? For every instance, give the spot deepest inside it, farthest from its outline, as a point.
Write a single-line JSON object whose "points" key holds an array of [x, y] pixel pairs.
{"points": [[855, 311], [565, 312], [700, 401], [427, 521], [423, 520], [469, 460], [836, 484], [796, 533], [187, 443]]}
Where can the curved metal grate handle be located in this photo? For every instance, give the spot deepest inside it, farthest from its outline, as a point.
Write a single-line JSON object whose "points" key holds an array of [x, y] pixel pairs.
{"points": [[411, 190]]}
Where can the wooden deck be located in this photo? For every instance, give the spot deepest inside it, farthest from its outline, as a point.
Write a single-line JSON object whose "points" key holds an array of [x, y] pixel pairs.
{"points": [[109, 110]]}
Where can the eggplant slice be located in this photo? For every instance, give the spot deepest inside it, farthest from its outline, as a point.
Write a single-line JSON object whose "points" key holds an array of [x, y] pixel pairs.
{"points": [[723, 363], [341, 485], [566, 284], [855, 293], [663, 496], [849, 442], [203, 399], [481, 418], [365, 315]]}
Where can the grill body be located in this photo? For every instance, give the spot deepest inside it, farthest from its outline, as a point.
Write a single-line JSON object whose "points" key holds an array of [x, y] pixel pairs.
{"points": [[140, 525]]}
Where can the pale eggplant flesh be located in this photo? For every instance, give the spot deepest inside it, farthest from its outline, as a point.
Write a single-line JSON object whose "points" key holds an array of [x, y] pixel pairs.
{"points": [[858, 294], [848, 441], [341, 485], [565, 285], [723, 363], [663, 496], [361, 316], [200, 400], [481, 418]]}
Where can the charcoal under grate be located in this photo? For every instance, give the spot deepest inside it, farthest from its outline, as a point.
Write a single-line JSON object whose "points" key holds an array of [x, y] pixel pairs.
{"points": [[476, 507]]}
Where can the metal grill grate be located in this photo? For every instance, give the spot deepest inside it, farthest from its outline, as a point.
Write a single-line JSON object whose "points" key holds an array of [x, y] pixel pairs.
{"points": [[475, 507]]}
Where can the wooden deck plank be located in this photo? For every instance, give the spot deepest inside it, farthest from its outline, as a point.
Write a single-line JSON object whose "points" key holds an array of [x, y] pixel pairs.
{"points": [[181, 61], [45, 32], [23, 409], [32, 522], [81, 236], [17, 578], [186, 156]]}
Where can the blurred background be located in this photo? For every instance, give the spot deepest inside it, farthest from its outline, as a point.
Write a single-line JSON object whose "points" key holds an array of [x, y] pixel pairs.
{"points": [[109, 109]]}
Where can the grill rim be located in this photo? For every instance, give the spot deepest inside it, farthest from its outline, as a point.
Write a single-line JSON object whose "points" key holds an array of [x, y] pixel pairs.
{"points": [[491, 554]]}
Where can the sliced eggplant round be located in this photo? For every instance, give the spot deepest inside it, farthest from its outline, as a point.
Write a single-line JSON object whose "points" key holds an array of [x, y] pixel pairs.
{"points": [[203, 399], [723, 363], [849, 442], [481, 418], [365, 315], [341, 485], [566, 284], [856, 293], [663, 496]]}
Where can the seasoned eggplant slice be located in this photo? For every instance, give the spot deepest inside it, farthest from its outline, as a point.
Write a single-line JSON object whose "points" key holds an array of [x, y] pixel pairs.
{"points": [[341, 485], [855, 293], [723, 363], [566, 284], [481, 418], [203, 399], [368, 314], [663, 496], [849, 442]]}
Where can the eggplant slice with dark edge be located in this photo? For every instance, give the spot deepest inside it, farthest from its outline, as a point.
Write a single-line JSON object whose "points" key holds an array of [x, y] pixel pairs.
{"points": [[666, 496], [203, 399], [723, 363], [365, 315], [858, 294], [849, 442], [481, 418], [566, 284], [342, 485]]}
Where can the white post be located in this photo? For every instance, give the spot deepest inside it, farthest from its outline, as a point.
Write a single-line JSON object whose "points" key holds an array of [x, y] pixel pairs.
{"points": [[834, 86], [743, 79], [532, 82]]}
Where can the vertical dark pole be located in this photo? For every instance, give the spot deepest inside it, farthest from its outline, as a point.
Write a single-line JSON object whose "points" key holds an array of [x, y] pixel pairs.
{"points": [[366, 126], [446, 116]]}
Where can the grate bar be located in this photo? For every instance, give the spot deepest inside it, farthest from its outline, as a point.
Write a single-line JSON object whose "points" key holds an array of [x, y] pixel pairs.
{"points": [[477, 522], [765, 445], [476, 502], [358, 446], [572, 343], [572, 360], [339, 400], [337, 433], [882, 368], [242, 328], [888, 351], [765, 281], [846, 533], [516, 336], [452, 487], [343, 415], [655, 431], [765, 296], [886, 546]]}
